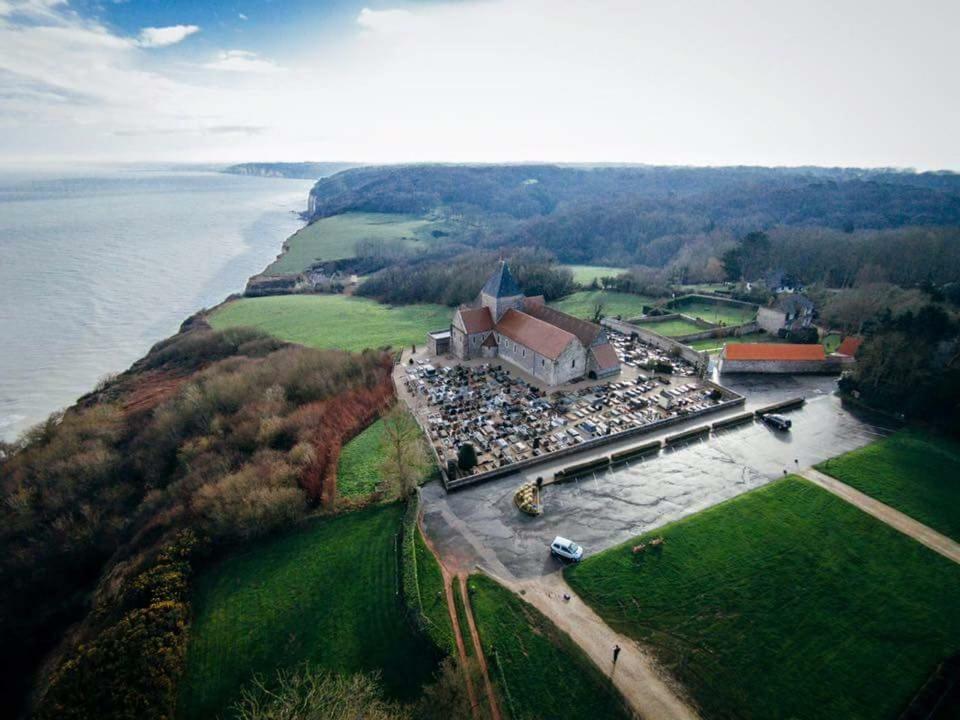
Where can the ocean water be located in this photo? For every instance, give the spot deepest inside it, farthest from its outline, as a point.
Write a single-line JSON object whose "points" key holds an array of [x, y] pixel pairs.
{"points": [[97, 264]]}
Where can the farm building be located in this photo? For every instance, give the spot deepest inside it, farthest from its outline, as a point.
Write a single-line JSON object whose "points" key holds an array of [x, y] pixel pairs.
{"points": [[550, 345], [779, 358], [788, 312]]}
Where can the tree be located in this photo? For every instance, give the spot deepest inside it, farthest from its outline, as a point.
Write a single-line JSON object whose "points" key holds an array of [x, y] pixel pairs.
{"points": [[405, 457], [309, 693], [598, 309], [466, 457]]}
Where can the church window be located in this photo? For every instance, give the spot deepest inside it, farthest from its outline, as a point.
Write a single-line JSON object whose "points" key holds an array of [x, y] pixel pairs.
{"points": [[573, 363]]}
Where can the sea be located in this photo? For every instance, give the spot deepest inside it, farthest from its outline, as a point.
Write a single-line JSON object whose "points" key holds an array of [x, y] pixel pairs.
{"points": [[98, 263]]}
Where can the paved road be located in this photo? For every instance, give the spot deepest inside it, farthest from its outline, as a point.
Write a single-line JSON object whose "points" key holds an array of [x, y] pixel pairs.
{"points": [[894, 518], [481, 525]]}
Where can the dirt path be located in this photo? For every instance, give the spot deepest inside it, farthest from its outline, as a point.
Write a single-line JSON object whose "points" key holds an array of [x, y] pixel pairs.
{"points": [[650, 694], [448, 581], [894, 518], [481, 658]]}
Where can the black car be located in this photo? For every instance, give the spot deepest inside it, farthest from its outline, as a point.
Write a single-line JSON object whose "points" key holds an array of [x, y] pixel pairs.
{"points": [[777, 422]]}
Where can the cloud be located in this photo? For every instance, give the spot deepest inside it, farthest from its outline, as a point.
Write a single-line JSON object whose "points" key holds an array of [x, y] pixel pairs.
{"points": [[36, 9], [384, 20], [242, 61], [154, 37], [242, 16]]}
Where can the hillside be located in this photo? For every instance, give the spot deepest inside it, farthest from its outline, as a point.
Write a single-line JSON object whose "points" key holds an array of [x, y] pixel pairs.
{"points": [[212, 439], [640, 215]]}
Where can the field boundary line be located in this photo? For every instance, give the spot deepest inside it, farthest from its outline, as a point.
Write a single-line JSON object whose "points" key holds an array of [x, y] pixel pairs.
{"points": [[892, 517]]}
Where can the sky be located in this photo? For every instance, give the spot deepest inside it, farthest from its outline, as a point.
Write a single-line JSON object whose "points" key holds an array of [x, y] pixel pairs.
{"points": [[679, 82]]}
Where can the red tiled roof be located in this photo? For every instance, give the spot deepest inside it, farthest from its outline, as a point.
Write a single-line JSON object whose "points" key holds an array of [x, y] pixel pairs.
{"points": [[606, 356], [585, 331], [849, 346], [476, 320], [773, 351], [537, 335]]}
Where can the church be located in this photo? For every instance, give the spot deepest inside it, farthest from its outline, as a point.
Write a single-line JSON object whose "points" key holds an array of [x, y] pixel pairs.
{"points": [[551, 345]]}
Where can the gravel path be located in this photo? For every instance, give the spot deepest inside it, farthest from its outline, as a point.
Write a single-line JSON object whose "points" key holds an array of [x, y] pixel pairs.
{"points": [[647, 690], [894, 518]]}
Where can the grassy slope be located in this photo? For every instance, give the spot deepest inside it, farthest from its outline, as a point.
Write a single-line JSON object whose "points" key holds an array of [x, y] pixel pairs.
{"points": [[716, 313], [324, 593], [582, 303], [334, 321], [586, 274], [784, 603], [334, 238], [358, 472], [547, 675], [917, 473], [432, 596]]}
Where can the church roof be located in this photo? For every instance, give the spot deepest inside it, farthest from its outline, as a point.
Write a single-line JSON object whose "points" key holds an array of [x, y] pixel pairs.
{"points": [[501, 283], [476, 320], [606, 356], [585, 331], [541, 337]]}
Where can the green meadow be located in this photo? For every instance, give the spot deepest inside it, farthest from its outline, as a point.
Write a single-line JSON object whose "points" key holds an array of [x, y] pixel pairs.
{"points": [[335, 238], [325, 593], [539, 672], [582, 303], [917, 473], [358, 472], [785, 602], [333, 321], [672, 328], [716, 313], [586, 274]]}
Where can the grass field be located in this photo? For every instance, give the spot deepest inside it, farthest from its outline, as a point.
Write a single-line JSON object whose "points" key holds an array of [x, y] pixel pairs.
{"points": [[432, 597], [538, 670], [786, 602], [582, 303], [358, 472], [586, 274], [335, 237], [325, 593], [672, 328], [716, 344], [716, 313], [333, 321], [915, 472]]}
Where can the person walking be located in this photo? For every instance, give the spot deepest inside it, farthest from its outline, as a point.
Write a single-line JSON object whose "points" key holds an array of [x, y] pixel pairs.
{"points": [[616, 653]]}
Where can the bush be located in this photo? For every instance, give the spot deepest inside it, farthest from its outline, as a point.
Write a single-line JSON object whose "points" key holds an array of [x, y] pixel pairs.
{"points": [[130, 670]]}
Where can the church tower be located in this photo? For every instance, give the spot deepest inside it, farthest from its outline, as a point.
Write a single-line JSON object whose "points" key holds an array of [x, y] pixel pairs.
{"points": [[501, 292]]}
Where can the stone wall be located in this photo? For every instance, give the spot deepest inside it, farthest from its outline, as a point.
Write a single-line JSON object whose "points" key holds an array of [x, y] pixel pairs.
{"points": [[832, 365], [660, 341]]}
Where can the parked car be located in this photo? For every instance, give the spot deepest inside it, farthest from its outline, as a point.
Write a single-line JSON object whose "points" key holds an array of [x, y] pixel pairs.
{"points": [[566, 549], [777, 422]]}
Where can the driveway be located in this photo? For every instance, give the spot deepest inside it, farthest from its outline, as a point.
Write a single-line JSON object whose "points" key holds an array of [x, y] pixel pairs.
{"points": [[481, 525]]}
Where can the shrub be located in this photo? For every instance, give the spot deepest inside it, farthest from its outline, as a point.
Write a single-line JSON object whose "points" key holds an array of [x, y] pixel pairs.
{"points": [[130, 669]]}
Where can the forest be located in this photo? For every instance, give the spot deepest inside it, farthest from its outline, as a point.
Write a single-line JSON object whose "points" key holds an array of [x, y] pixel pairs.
{"points": [[824, 224]]}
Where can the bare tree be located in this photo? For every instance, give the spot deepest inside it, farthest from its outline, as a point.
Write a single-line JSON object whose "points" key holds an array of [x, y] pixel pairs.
{"points": [[405, 457]]}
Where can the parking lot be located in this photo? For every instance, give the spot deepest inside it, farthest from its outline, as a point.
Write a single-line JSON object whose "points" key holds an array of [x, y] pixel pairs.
{"points": [[508, 417], [480, 524]]}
